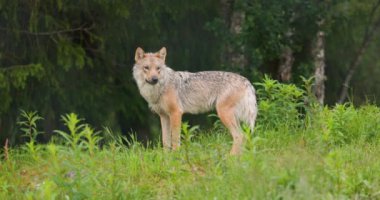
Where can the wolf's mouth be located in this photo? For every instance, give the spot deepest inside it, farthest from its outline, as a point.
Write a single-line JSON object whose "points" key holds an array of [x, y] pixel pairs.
{"points": [[152, 82]]}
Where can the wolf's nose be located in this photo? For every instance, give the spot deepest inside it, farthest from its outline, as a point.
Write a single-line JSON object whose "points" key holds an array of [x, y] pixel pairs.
{"points": [[154, 79]]}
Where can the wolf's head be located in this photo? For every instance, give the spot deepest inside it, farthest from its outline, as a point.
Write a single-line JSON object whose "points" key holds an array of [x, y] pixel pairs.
{"points": [[150, 65]]}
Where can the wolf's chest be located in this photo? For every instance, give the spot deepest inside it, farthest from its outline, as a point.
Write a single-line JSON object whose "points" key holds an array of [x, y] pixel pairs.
{"points": [[150, 94]]}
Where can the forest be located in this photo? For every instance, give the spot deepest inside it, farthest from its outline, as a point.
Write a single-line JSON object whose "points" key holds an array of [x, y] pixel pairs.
{"points": [[60, 56], [73, 124]]}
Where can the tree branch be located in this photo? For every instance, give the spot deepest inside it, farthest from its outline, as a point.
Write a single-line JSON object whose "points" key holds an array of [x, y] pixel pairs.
{"points": [[14, 67], [48, 33]]}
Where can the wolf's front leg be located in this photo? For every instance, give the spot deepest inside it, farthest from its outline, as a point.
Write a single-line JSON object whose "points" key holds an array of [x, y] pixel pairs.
{"points": [[165, 127], [175, 129]]}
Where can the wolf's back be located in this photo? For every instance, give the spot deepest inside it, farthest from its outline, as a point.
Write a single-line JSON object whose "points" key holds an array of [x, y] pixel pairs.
{"points": [[200, 92]]}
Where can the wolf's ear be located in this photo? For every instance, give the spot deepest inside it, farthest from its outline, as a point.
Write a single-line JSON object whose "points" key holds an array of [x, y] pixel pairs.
{"points": [[162, 53], [139, 54]]}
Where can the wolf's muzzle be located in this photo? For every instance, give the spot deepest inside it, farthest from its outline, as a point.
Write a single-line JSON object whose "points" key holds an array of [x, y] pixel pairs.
{"points": [[153, 80]]}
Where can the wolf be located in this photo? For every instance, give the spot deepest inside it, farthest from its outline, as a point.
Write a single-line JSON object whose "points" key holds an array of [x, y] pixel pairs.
{"points": [[171, 93]]}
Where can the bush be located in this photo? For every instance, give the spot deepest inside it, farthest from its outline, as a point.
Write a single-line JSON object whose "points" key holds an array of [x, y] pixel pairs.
{"points": [[279, 104], [344, 124]]}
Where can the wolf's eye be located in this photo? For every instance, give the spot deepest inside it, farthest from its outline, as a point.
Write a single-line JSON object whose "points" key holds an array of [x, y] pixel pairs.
{"points": [[158, 68], [146, 68]]}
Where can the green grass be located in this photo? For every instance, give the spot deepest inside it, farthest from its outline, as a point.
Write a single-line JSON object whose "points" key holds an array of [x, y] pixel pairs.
{"points": [[277, 166], [298, 151]]}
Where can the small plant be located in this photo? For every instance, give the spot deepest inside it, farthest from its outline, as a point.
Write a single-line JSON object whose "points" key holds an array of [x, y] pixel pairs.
{"points": [[335, 168], [187, 135], [251, 141], [91, 138], [339, 120], [308, 88], [72, 121], [80, 135], [28, 126]]}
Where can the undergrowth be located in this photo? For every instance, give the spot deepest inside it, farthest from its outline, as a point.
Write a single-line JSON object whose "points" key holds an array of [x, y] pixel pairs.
{"points": [[298, 150]]}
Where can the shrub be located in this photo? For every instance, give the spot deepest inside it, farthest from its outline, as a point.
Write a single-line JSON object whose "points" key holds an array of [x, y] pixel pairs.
{"points": [[279, 104]]}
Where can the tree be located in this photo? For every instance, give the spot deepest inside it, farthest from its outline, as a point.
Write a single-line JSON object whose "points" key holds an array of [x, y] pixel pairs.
{"points": [[372, 27], [58, 57], [319, 64], [233, 16]]}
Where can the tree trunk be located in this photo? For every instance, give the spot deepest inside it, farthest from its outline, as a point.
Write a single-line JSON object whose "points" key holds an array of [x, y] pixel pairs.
{"points": [[287, 58], [234, 19], [319, 65], [286, 64], [368, 36], [236, 53], [226, 10], [351, 70]]}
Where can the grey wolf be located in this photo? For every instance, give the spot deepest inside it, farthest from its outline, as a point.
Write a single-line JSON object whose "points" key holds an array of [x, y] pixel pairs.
{"points": [[171, 93]]}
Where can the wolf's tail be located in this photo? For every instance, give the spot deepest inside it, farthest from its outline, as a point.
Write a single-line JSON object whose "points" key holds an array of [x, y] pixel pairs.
{"points": [[246, 110]]}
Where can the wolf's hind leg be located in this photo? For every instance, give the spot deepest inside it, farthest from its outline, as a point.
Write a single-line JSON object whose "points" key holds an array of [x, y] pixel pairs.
{"points": [[226, 114]]}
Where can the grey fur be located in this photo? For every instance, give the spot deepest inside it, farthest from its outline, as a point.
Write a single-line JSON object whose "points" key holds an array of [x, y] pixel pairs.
{"points": [[199, 92]]}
